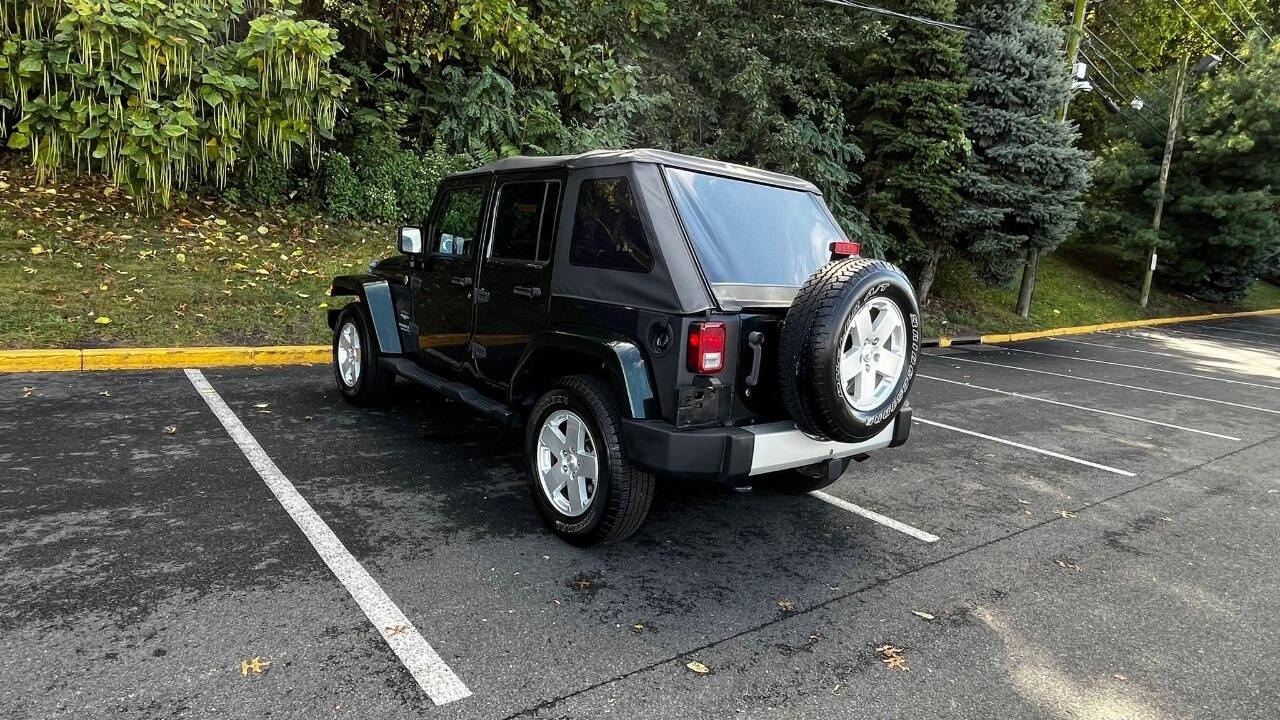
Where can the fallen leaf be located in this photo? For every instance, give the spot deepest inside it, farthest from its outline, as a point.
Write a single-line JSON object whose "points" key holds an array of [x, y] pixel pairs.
{"points": [[181, 257], [1065, 513], [698, 667], [105, 393], [893, 658], [1120, 677], [102, 320], [170, 429], [37, 249], [262, 229], [261, 405], [638, 627], [26, 391], [922, 614], [787, 605]]}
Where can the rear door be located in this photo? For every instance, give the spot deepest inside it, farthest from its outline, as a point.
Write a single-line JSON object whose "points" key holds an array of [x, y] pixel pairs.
{"points": [[443, 303], [514, 287]]}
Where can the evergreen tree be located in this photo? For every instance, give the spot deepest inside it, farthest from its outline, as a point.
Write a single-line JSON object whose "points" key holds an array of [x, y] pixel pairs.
{"points": [[1022, 189], [911, 126], [1223, 213]]}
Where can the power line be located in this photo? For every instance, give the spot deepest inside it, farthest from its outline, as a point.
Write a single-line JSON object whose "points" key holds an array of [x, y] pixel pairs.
{"points": [[903, 16], [1229, 19], [1120, 29], [1153, 87], [1124, 119], [1206, 32], [1254, 18], [1102, 76]]}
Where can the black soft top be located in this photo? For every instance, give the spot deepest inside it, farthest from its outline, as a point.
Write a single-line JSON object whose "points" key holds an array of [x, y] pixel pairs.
{"points": [[597, 158]]}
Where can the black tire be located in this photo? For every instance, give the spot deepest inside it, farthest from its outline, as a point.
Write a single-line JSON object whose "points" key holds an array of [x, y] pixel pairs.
{"points": [[623, 493], [798, 481], [373, 384], [812, 334]]}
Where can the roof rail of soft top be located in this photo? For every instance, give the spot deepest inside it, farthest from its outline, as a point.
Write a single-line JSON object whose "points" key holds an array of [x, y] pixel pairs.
{"points": [[597, 158]]}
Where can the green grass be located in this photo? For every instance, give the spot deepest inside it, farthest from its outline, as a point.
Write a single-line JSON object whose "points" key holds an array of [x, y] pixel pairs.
{"points": [[1073, 287], [76, 253], [79, 267]]}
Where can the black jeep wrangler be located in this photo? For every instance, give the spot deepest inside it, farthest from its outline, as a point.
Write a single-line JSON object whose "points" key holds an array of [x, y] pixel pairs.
{"points": [[640, 312]]}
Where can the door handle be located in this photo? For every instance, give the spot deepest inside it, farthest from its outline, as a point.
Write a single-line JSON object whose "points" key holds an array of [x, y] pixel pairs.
{"points": [[529, 292], [463, 281]]}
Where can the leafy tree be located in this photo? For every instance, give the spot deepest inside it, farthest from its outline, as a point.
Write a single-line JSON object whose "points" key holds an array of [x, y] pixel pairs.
{"points": [[911, 126], [157, 94], [757, 82], [1222, 213], [1022, 190], [476, 75]]}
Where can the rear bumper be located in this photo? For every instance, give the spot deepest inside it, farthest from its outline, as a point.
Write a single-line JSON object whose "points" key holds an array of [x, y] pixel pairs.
{"points": [[732, 454]]}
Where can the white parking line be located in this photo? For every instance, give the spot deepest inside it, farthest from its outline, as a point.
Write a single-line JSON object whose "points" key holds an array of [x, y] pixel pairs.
{"points": [[1232, 328], [1126, 349], [1215, 337], [1105, 382], [875, 517], [1140, 367], [1080, 407], [419, 658], [1030, 448]]}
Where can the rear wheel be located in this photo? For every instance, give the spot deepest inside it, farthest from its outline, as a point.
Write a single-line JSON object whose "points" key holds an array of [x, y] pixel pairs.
{"points": [[582, 483], [360, 379]]}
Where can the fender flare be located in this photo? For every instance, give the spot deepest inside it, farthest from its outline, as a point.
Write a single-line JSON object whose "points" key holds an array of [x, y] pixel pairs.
{"points": [[375, 293], [623, 361]]}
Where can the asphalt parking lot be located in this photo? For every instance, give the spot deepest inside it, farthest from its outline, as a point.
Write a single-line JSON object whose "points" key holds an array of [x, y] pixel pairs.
{"points": [[1096, 535]]}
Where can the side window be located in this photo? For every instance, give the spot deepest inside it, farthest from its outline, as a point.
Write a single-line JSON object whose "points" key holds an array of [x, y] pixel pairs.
{"points": [[459, 222], [607, 232], [524, 217]]}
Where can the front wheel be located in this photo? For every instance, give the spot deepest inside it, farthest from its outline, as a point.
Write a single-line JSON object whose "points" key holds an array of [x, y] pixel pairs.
{"points": [[360, 379], [584, 487]]}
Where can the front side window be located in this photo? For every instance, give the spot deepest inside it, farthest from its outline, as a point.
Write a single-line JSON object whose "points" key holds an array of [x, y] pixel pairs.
{"points": [[524, 219], [607, 231], [459, 222]]}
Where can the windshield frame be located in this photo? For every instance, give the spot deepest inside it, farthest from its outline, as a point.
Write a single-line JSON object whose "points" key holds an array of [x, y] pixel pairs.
{"points": [[738, 296]]}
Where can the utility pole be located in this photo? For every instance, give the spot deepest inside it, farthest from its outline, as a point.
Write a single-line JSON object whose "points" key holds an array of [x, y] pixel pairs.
{"points": [[1175, 114], [1029, 268]]}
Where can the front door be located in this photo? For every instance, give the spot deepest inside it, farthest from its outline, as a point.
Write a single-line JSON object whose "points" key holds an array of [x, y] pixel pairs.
{"points": [[515, 275], [444, 302]]}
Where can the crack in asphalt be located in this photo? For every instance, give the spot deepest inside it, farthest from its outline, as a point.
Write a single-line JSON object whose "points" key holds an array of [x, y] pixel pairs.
{"points": [[533, 709]]}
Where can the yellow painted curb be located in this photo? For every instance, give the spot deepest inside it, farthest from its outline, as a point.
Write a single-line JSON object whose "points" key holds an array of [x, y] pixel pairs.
{"points": [[159, 358], [39, 360], [1083, 329]]}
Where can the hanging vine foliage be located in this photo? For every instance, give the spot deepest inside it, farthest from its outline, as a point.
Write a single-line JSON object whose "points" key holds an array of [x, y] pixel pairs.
{"points": [[157, 94]]}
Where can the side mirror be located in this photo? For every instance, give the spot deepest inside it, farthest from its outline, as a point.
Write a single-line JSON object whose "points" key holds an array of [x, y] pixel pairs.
{"points": [[411, 240]]}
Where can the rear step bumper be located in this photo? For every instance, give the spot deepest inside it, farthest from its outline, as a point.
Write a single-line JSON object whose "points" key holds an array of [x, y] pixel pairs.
{"points": [[732, 454]]}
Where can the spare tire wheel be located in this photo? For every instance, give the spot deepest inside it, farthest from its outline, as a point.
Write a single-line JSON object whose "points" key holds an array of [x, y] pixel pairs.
{"points": [[850, 343]]}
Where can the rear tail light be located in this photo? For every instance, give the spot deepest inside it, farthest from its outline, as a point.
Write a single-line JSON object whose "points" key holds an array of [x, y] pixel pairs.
{"points": [[706, 347], [846, 248]]}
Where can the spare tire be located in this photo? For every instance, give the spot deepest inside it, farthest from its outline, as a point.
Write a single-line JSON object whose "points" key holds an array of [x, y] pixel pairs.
{"points": [[849, 347]]}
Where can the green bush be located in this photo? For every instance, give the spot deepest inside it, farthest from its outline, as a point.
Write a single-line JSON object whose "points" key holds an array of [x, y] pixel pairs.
{"points": [[159, 95], [384, 182], [264, 182]]}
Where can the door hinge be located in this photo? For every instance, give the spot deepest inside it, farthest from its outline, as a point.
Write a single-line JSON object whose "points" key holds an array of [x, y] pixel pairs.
{"points": [[482, 295], [478, 351]]}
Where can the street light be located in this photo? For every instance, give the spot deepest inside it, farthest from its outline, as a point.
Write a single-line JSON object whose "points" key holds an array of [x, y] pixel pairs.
{"points": [[1175, 113]]}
